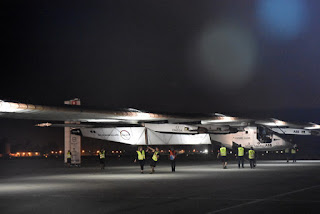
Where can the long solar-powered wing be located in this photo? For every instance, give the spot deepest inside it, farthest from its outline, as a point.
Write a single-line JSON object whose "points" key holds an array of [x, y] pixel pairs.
{"points": [[166, 123]]}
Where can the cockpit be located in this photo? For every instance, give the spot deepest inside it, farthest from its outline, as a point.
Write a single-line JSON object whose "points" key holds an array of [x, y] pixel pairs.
{"points": [[264, 135]]}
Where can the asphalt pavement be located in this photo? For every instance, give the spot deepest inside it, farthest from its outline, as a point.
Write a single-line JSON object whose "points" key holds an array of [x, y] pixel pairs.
{"points": [[46, 186]]}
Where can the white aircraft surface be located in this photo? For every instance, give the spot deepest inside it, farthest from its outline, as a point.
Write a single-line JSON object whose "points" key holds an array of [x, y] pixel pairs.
{"points": [[135, 127]]}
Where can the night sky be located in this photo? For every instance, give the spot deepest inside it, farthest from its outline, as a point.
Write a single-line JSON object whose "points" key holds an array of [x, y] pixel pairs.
{"points": [[169, 56]]}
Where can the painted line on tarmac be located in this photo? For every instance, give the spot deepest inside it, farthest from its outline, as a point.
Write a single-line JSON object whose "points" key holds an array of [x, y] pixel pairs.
{"points": [[264, 199]]}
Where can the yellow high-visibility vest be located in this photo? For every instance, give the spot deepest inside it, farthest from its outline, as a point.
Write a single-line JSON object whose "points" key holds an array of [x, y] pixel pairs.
{"points": [[69, 155], [155, 156], [102, 154], [223, 151], [141, 155], [251, 154], [293, 151], [287, 150], [240, 151]]}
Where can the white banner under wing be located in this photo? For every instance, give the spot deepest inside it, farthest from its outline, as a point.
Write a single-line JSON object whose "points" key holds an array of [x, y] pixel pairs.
{"points": [[136, 136], [128, 135], [156, 138]]}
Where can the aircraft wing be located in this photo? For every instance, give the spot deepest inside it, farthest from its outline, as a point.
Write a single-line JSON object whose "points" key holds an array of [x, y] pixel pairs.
{"points": [[170, 123]]}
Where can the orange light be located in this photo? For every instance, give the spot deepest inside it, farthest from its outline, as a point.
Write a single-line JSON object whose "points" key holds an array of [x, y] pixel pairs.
{"points": [[29, 153], [37, 153], [23, 153], [52, 152], [98, 151], [82, 151], [112, 151], [60, 151]]}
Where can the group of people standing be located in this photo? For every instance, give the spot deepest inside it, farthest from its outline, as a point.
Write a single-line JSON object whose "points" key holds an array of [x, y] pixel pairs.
{"points": [[141, 158], [291, 153], [222, 154]]}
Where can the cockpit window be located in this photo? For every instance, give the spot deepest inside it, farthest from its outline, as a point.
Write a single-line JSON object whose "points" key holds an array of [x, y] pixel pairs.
{"points": [[264, 135]]}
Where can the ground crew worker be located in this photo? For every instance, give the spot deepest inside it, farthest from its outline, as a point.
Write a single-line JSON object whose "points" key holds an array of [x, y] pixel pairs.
{"points": [[69, 158], [287, 152], [252, 157], [240, 156], [154, 158], [102, 157], [293, 154], [223, 156], [141, 157], [172, 156]]}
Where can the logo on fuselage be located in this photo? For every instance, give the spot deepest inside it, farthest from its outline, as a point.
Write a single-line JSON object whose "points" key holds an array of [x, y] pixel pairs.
{"points": [[125, 135]]}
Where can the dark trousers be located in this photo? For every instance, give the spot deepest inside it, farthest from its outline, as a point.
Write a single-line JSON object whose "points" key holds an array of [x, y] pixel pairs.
{"points": [[294, 158], [252, 163], [141, 162], [240, 160], [173, 165], [102, 163]]}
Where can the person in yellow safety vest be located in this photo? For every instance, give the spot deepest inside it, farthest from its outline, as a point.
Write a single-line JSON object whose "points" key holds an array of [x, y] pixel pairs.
{"points": [[223, 156], [141, 157], [287, 153], [293, 154], [68, 158], [252, 155], [154, 158], [240, 156], [102, 158]]}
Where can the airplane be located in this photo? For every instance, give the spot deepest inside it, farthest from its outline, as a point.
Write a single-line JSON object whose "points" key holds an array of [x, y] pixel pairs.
{"points": [[131, 126]]}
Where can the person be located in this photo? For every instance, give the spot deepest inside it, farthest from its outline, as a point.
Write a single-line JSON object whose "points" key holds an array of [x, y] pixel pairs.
{"points": [[240, 156], [69, 158], [252, 157], [172, 156], [223, 156], [102, 157], [287, 152], [293, 154], [141, 156], [154, 158]]}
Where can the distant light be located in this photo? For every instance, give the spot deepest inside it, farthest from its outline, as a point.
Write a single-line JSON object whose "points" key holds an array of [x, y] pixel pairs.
{"points": [[98, 151], [282, 19], [224, 55], [44, 124], [60, 151], [37, 153], [52, 152], [82, 151], [205, 151]]}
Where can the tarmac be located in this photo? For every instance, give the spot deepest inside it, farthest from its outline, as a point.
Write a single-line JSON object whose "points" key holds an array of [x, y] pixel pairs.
{"points": [[45, 186]]}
